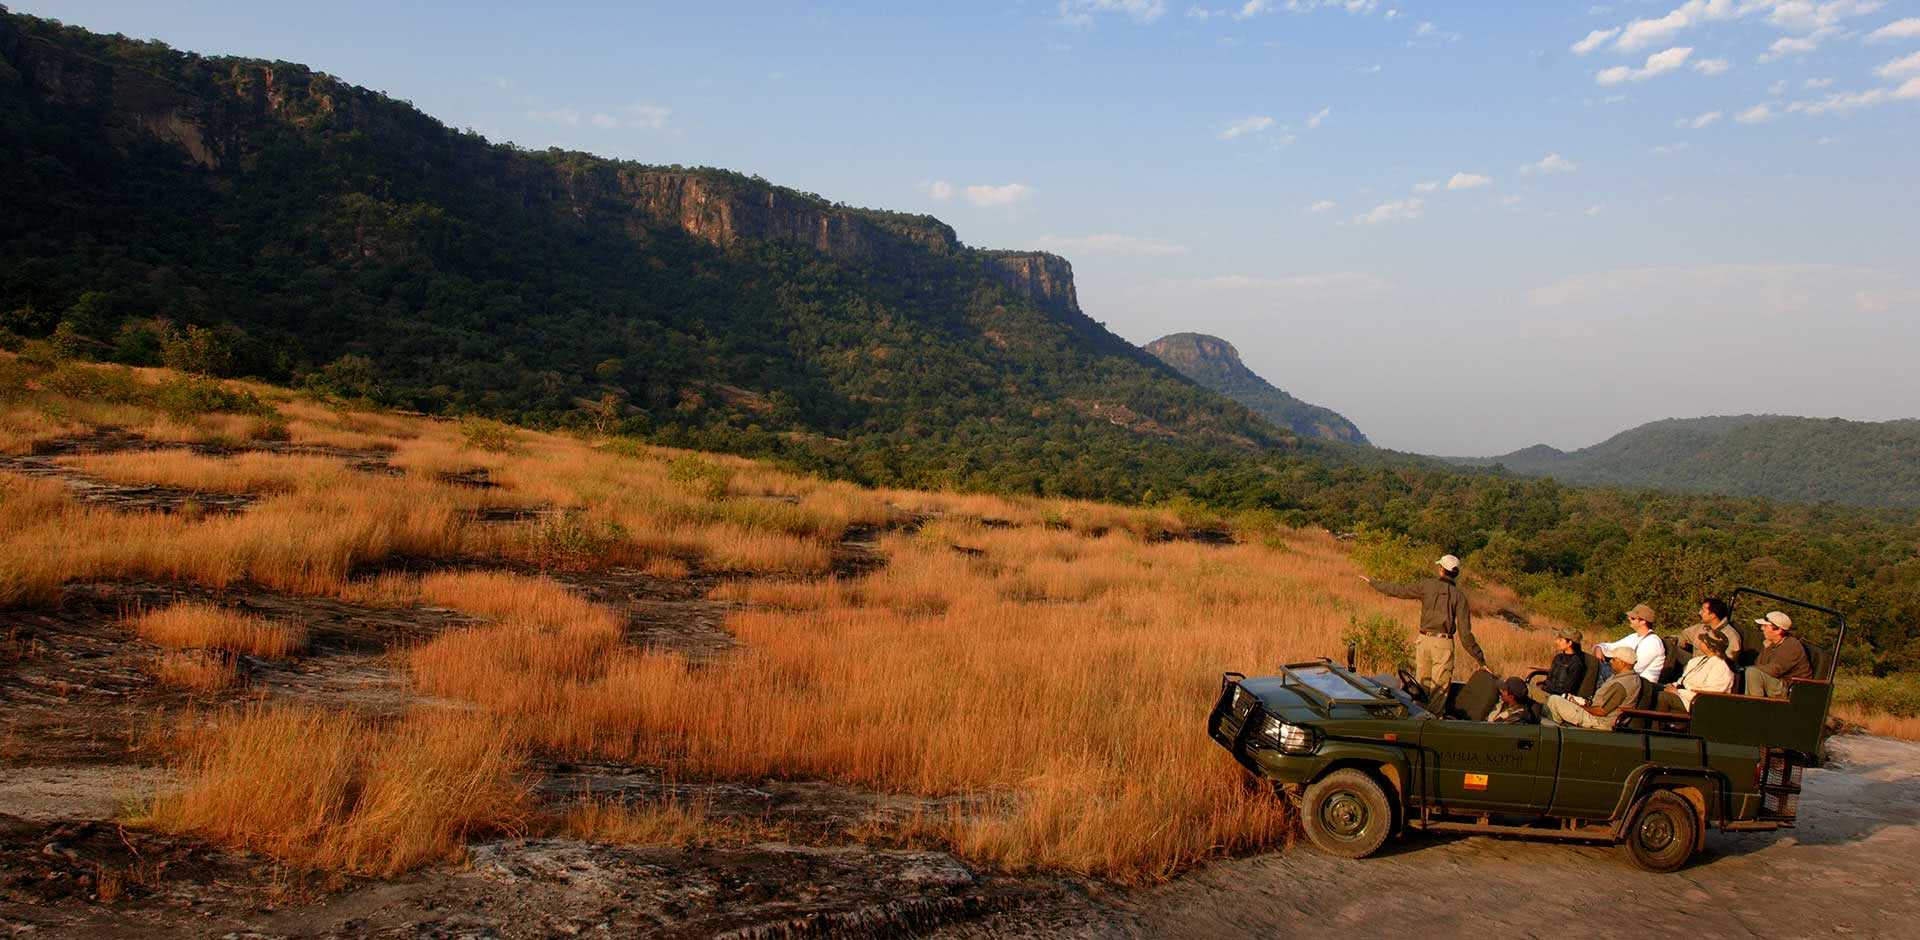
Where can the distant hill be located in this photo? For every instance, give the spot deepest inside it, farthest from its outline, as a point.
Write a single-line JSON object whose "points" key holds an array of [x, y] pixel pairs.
{"points": [[1807, 460], [1214, 363], [249, 217]]}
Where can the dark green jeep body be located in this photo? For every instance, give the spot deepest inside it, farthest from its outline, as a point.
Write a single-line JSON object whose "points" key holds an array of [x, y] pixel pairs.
{"points": [[1367, 760]]}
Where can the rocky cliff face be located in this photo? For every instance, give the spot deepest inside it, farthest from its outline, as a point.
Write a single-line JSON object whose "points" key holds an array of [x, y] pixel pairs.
{"points": [[1215, 364], [717, 207], [1046, 279]]}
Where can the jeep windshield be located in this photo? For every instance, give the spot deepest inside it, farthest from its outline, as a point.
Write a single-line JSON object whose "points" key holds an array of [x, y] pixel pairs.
{"points": [[1331, 686]]}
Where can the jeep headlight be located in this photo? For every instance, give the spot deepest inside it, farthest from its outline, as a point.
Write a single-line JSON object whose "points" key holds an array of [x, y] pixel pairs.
{"points": [[1291, 738]]}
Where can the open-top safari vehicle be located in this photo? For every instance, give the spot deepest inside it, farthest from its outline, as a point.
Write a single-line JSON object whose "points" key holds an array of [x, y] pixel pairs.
{"points": [[1366, 758]]}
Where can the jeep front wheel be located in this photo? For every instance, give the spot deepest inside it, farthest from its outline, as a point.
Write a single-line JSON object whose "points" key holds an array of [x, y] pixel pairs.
{"points": [[1346, 813], [1662, 834]]}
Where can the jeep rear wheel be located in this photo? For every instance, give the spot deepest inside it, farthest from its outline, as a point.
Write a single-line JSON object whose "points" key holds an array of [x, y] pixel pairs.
{"points": [[1663, 833], [1346, 813]]}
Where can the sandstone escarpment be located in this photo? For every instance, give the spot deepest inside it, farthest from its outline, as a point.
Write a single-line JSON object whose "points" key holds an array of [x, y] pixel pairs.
{"points": [[1046, 279]]}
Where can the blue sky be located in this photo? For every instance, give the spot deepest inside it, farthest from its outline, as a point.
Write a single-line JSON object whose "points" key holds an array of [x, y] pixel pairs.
{"points": [[1468, 227]]}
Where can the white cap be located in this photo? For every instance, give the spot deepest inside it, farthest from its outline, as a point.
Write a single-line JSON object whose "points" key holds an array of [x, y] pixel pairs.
{"points": [[1449, 562], [1776, 619]]}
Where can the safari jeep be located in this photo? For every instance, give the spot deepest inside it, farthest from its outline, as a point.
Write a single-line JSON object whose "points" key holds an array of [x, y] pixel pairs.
{"points": [[1365, 760]]}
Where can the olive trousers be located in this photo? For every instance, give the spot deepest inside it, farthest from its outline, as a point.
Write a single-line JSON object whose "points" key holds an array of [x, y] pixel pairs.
{"points": [[1433, 663], [1564, 711]]}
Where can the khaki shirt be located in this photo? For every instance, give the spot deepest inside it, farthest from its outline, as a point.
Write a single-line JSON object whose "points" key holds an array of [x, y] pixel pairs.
{"points": [[1690, 639], [1621, 691]]}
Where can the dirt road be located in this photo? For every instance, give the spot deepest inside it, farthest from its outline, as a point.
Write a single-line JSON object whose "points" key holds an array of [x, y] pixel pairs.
{"points": [[1848, 869]]}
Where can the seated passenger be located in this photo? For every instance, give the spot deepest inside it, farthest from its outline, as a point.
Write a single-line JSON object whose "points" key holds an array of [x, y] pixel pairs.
{"points": [[1616, 693], [1569, 666], [1782, 657], [1514, 709], [1707, 671], [1713, 616], [1649, 652]]}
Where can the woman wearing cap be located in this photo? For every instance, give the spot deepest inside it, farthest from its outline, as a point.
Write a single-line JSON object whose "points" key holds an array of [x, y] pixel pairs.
{"points": [[1444, 614], [1707, 671], [1782, 657], [1568, 671]]}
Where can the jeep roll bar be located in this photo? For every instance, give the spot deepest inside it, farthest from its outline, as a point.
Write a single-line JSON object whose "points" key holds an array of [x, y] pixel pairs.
{"points": [[1839, 619]]}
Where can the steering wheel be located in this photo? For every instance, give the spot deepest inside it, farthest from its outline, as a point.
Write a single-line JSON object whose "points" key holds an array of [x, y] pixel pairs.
{"points": [[1411, 685]]}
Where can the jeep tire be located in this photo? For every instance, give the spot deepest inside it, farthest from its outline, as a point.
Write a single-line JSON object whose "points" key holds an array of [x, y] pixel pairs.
{"points": [[1346, 813], [1662, 833]]}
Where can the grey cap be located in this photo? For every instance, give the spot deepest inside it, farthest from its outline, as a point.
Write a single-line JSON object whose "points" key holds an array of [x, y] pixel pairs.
{"points": [[1778, 619], [1568, 633]]}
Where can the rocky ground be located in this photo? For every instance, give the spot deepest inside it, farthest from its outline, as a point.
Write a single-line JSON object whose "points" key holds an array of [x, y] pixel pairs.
{"points": [[82, 724]]}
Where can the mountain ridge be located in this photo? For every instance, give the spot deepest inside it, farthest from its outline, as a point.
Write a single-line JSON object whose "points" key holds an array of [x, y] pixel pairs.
{"points": [[322, 233], [1799, 459], [1216, 364]]}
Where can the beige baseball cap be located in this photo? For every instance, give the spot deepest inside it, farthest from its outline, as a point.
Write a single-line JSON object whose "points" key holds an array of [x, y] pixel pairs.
{"points": [[1642, 612], [1449, 562], [1778, 619]]}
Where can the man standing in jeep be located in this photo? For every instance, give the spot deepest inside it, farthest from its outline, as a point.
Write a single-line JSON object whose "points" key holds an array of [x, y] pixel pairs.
{"points": [[1444, 614]]}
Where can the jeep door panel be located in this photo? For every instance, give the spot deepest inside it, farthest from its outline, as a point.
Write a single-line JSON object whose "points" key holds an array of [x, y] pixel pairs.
{"points": [[1480, 767]]}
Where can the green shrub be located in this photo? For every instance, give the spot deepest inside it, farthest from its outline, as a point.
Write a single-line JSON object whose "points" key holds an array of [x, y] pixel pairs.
{"points": [[1393, 557], [708, 480], [109, 385], [490, 436], [1380, 643], [1893, 695], [572, 537], [188, 396], [1561, 604]]}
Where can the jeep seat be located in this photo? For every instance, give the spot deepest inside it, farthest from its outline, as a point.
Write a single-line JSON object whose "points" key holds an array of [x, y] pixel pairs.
{"points": [[1475, 698], [1596, 668]]}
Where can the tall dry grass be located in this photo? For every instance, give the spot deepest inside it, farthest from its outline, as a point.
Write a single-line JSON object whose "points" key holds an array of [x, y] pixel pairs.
{"points": [[1069, 673], [329, 790], [195, 625], [241, 473]]}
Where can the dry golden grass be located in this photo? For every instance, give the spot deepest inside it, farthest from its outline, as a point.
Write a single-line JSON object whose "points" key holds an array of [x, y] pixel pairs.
{"points": [[642, 824], [329, 790], [1904, 727], [241, 473], [194, 625], [1057, 663], [198, 672]]}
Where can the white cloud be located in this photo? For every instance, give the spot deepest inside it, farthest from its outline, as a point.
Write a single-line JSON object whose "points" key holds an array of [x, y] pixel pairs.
{"points": [[1393, 14], [1468, 181], [1246, 125], [1746, 292], [1340, 284], [566, 117], [994, 197], [1898, 68], [1842, 102], [1816, 83], [1323, 205], [1319, 116], [938, 190], [1656, 64], [1399, 210], [1594, 210], [1110, 244], [1667, 150], [1758, 114], [1790, 45], [1594, 40], [1082, 12], [1793, 16], [1252, 8], [1908, 28], [1807, 16], [1424, 29], [1426, 187], [1712, 66], [643, 116], [1698, 121], [1551, 163], [1777, 88], [649, 116]]}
